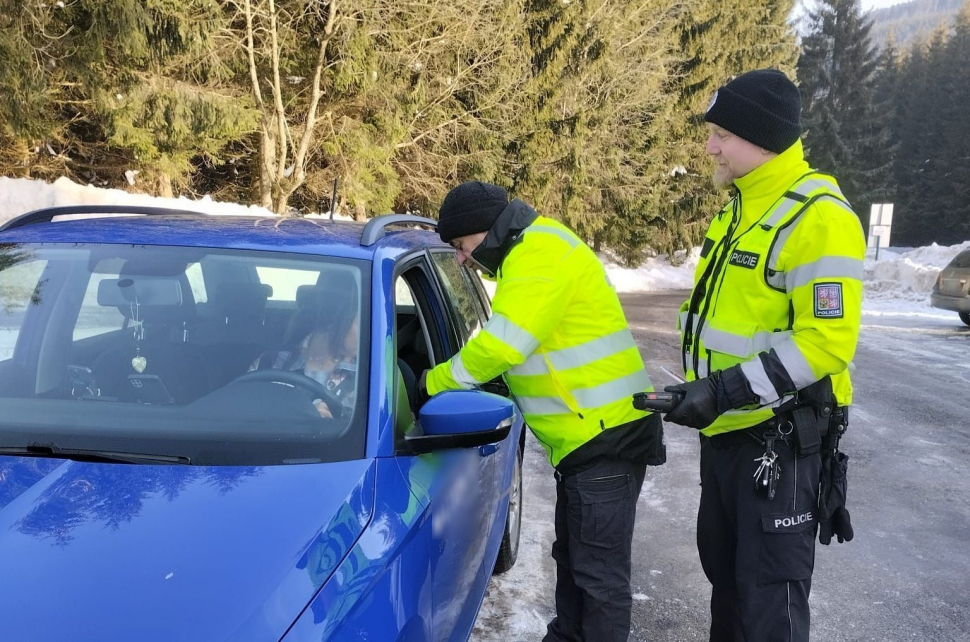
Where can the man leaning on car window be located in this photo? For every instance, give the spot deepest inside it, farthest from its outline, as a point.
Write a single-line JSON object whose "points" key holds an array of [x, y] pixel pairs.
{"points": [[560, 338]]}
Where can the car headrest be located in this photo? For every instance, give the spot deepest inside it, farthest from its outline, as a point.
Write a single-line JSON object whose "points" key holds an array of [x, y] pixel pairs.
{"points": [[333, 288], [236, 300]]}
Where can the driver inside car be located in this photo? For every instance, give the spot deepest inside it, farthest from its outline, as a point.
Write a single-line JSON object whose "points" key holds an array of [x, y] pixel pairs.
{"points": [[327, 354]]}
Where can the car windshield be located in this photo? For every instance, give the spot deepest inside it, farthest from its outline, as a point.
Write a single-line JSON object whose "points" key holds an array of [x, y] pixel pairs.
{"points": [[962, 260], [214, 357]]}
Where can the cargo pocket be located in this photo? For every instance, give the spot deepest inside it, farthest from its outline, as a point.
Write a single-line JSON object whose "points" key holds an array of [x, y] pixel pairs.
{"points": [[787, 547], [606, 513]]}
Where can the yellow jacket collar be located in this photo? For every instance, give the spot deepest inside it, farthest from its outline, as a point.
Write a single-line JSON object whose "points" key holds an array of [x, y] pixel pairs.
{"points": [[774, 175]]}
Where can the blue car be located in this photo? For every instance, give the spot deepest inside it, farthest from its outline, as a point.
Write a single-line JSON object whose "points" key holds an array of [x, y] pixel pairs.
{"points": [[210, 429]]}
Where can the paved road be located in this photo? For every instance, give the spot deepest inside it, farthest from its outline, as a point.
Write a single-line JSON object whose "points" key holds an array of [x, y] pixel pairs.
{"points": [[906, 576]]}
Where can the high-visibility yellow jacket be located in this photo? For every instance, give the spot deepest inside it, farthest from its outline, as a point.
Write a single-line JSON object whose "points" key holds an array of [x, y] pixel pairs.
{"points": [[558, 333], [778, 288]]}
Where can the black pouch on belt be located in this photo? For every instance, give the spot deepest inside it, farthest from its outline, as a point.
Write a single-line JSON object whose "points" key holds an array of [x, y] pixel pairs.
{"points": [[805, 422]]}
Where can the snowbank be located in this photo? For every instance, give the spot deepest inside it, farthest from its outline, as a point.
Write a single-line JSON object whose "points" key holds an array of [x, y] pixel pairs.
{"points": [[21, 195], [899, 283], [656, 273]]}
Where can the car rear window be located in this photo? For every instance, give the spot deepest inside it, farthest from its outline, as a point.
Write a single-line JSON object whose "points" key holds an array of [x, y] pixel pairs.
{"points": [[961, 260], [219, 357]]}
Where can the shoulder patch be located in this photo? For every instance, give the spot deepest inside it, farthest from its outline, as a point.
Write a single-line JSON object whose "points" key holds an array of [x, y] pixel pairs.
{"points": [[828, 300], [706, 249]]}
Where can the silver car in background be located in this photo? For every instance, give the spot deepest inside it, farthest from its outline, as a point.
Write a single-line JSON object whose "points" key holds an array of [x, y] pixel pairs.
{"points": [[952, 289]]}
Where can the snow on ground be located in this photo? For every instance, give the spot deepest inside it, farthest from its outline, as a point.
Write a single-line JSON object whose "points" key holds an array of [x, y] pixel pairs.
{"points": [[655, 273], [21, 195], [898, 284]]}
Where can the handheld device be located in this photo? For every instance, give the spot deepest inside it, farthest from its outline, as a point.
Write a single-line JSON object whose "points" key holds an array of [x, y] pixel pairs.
{"points": [[657, 401], [150, 390]]}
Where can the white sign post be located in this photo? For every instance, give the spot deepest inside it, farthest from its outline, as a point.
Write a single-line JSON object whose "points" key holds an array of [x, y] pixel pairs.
{"points": [[880, 225]]}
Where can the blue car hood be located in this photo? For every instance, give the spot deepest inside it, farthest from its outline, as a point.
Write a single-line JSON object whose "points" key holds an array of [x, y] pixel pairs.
{"points": [[92, 551]]}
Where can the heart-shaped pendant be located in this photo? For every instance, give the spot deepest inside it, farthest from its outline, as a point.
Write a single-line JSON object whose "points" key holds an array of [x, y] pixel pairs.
{"points": [[139, 364]]}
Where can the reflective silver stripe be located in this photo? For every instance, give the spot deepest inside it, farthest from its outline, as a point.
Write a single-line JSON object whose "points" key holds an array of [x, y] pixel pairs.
{"points": [[684, 318], [612, 390], [534, 365], [460, 373], [591, 351], [701, 365], [542, 406], [782, 237], [780, 212], [722, 341], [506, 331], [807, 188], [804, 190], [795, 364], [773, 404], [563, 234], [754, 370], [740, 345], [702, 369], [827, 267], [577, 356]]}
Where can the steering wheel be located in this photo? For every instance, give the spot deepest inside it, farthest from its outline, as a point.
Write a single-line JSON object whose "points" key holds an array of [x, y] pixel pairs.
{"points": [[297, 380]]}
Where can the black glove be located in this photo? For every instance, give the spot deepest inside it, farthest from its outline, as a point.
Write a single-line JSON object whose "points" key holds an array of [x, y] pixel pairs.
{"points": [[706, 399], [833, 518]]}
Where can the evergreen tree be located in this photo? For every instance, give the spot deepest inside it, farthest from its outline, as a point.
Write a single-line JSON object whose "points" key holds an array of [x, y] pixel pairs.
{"points": [[713, 42], [566, 43], [597, 73], [845, 134], [886, 89], [919, 167], [112, 86], [953, 214]]}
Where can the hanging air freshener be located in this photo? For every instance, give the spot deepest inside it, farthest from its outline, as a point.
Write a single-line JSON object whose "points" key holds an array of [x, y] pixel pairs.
{"points": [[138, 362]]}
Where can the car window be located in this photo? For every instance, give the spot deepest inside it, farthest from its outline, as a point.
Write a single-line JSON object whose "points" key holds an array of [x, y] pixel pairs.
{"points": [[460, 292], [132, 350], [19, 285], [286, 281], [962, 260], [484, 305], [196, 282], [94, 319]]}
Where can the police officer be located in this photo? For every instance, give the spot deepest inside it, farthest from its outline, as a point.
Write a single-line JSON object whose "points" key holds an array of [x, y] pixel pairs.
{"points": [[768, 335], [559, 335]]}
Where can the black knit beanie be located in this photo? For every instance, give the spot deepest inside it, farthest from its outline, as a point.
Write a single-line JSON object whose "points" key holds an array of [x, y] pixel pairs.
{"points": [[762, 107], [470, 208]]}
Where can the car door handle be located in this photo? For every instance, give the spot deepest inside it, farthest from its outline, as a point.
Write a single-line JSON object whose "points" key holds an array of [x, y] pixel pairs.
{"points": [[487, 449]]}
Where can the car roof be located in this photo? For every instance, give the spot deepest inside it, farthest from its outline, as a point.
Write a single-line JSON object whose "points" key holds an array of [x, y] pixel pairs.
{"points": [[298, 235]]}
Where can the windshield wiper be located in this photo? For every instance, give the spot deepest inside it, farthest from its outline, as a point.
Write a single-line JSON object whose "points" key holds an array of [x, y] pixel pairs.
{"points": [[98, 456]]}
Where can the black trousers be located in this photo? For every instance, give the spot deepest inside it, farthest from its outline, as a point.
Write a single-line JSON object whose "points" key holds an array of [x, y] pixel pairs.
{"points": [[758, 554], [595, 514]]}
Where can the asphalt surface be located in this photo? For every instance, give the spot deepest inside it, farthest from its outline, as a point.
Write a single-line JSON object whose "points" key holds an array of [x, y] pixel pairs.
{"points": [[905, 576]]}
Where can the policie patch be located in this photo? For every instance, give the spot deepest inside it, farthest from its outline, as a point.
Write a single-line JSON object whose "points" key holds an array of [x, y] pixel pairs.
{"points": [[744, 259], [828, 300], [788, 522]]}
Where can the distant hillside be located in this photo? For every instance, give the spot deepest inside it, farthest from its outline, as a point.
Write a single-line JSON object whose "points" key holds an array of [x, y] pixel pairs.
{"points": [[911, 19]]}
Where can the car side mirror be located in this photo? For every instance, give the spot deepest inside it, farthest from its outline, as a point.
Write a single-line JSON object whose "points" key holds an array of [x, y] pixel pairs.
{"points": [[461, 419]]}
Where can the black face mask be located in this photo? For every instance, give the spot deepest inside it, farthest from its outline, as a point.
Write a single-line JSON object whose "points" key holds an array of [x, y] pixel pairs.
{"points": [[488, 258]]}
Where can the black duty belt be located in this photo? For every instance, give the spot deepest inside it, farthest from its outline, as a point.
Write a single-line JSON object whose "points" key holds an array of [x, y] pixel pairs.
{"points": [[785, 426]]}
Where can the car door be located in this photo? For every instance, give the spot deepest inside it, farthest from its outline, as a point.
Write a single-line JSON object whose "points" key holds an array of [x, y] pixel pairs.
{"points": [[469, 307], [454, 484]]}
